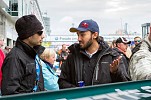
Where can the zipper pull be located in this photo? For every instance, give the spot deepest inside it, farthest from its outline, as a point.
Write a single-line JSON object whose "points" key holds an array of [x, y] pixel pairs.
{"points": [[97, 69]]}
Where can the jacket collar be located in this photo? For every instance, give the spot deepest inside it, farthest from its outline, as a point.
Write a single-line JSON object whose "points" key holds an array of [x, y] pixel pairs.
{"points": [[26, 48], [51, 65]]}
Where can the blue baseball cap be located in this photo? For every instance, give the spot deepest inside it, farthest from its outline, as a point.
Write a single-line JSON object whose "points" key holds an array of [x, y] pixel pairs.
{"points": [[86, 25]]}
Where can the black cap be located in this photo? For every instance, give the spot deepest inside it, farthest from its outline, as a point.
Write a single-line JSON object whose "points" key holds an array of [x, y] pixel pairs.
{"points": [[122, 40]]}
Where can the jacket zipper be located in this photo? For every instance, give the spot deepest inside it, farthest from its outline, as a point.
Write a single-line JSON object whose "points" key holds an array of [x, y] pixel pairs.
{"points": [[97, 68]]}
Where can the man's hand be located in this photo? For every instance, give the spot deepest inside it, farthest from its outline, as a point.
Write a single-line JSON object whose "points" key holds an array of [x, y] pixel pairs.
{"points": [[115, 64]]}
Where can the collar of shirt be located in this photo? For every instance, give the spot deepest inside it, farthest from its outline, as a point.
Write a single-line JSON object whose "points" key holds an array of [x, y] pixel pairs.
{"points": [[90, 55]]}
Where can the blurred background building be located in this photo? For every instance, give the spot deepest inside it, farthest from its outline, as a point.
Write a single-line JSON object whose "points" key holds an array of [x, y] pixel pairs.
{"points": [[11, 10]]}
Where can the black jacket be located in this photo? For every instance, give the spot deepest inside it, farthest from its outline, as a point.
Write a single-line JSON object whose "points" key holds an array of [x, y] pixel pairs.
{"points": [[125, 59], [95, 70], [19, 71]]}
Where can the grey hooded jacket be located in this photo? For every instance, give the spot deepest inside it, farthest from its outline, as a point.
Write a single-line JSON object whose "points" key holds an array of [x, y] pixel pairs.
{"points": [[140, 62]]}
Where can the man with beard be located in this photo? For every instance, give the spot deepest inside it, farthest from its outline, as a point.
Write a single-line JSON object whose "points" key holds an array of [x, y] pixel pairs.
{"points": [[91, 61]]}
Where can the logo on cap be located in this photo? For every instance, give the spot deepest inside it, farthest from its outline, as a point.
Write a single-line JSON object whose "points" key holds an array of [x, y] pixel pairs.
{"points": [[85, 25]]}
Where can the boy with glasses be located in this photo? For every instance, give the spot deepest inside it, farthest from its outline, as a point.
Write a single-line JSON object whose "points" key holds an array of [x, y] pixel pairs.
{"points": [[137, 40]]}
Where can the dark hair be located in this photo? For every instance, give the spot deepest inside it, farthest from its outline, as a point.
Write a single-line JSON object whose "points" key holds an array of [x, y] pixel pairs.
{"points": [[98, 38]]}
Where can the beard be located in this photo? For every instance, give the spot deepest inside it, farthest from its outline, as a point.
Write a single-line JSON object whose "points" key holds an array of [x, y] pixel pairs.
{"points": [[88, 44]]}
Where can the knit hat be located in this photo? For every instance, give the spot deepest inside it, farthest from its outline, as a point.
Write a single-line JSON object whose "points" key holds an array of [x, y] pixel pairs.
{"points": [[27, 26]]}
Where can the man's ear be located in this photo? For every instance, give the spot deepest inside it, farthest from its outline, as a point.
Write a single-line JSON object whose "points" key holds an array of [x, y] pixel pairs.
{"points": [[95, 34]]}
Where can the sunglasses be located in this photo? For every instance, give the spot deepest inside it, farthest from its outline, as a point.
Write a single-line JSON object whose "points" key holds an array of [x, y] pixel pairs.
{"points": [[137, 41], [39, 33]]}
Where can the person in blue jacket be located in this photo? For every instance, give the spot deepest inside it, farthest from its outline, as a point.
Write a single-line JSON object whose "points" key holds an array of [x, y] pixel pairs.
{"points": [[48, 58]]}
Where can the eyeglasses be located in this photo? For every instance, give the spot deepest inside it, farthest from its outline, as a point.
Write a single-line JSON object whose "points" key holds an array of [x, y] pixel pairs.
{"points": [[137, 41], [39, 33]]}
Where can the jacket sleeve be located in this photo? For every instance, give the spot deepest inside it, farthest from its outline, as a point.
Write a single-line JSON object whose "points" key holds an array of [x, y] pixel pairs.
{"points": [[121, 74], [65, 79], [11, 76], [140, 65]]}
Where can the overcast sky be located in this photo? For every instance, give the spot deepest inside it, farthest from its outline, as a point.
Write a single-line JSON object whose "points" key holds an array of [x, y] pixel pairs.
{"points": [[111, 15]]}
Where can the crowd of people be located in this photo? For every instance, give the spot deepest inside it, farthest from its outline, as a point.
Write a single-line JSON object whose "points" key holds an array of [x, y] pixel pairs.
{"points": [[29, 67]]}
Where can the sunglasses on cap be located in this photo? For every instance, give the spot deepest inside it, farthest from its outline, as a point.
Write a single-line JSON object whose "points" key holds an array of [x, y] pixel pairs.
{"points": [[137, 41], [39, 33]]}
